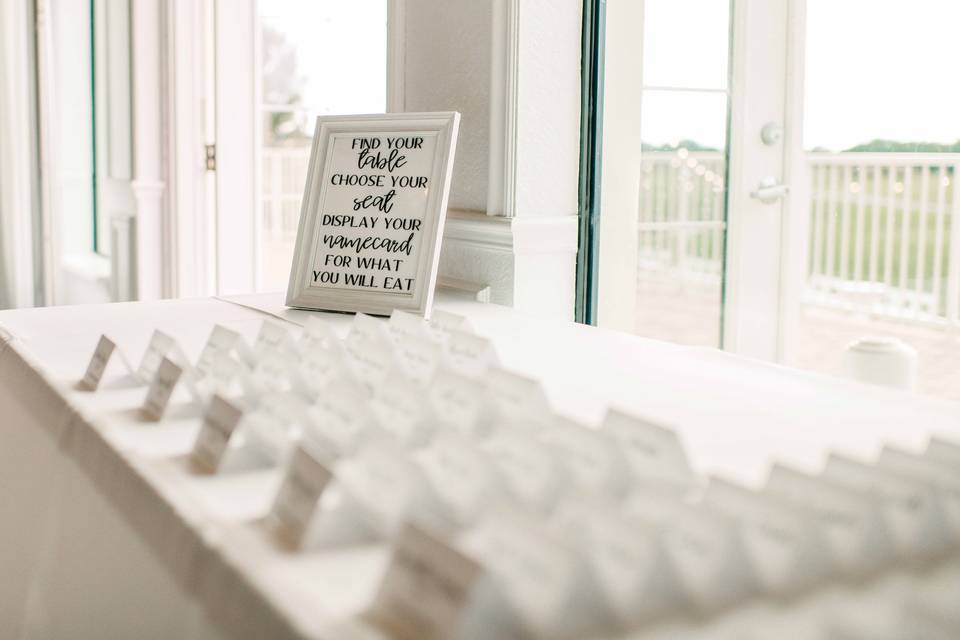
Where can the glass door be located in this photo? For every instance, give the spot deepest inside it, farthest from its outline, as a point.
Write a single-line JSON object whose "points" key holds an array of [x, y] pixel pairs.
{"points": [[694, 164], [882, 146]]}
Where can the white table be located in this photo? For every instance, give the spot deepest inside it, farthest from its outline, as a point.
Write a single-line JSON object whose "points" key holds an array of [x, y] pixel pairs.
{"points": [[108, 534]]}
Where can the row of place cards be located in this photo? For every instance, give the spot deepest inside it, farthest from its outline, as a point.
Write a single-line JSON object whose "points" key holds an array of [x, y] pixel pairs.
{"points": [[508, 520]]}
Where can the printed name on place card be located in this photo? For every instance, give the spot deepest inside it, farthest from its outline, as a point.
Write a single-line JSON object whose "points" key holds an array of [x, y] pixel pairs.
{"points": [[299, 494], [219, 422], [161, 389], [426, 589], [98, 363]]}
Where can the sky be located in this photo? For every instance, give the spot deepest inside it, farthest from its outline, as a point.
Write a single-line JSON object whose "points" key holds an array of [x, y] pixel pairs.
{"points": [[874, 68]]}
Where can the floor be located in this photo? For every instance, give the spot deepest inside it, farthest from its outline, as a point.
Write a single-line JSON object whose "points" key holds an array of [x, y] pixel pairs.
{"points": [[689, 313]]}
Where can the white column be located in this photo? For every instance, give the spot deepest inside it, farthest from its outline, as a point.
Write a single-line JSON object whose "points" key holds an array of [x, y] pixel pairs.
{"points": [[148, 183]]}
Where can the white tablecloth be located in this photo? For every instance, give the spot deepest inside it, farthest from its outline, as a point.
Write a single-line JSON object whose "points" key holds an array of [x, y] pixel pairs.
{"points": [[106, 533]]}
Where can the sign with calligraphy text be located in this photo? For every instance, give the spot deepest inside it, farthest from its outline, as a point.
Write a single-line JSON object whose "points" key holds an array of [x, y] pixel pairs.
{"points": [[372, 215]]}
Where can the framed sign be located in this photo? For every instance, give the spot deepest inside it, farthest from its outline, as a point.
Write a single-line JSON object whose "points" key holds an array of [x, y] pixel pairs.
{"points": [[372, 215]]}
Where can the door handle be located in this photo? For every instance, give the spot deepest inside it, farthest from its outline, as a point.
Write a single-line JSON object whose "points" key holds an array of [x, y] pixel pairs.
{"points": [[768, 191]]}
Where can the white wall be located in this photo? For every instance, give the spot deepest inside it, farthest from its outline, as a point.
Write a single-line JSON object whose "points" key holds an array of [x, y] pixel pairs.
{"points": [[512, 68], [447, 68]]}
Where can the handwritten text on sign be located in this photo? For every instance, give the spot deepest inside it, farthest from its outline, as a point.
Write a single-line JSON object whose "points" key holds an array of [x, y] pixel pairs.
{"points": [[371, 218]]}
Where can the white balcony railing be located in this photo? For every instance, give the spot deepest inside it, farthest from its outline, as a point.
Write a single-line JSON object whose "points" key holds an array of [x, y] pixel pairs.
{"points": [[884, 232]]}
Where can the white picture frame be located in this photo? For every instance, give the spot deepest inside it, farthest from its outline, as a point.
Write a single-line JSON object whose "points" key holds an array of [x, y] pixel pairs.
{"points": [[360, 249]]}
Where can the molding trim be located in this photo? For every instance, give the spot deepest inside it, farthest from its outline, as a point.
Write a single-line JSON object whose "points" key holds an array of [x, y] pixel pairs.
{"points": [[504, 105], [523, 235]]}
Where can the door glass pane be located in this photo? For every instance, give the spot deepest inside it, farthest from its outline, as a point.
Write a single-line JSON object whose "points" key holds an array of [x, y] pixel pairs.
{"points": [[681, 217], [685, 43], [305, 73], [662, 210], [881, 136]]}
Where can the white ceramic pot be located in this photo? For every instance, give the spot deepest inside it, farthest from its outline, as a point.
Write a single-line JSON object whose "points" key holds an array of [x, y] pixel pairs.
{"points": [[882, 360]]}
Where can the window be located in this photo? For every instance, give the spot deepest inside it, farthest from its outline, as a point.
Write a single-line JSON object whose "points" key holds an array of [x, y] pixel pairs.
{"points": [[317, 58]]}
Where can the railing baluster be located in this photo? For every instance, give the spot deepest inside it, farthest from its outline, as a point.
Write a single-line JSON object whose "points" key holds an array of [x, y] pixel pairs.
{"points": [[953, 261], [816, 266], [888, 233], [832, 222], [903, 284], [845, 215], [938, 308], [874, 223], [919, 266], [861, 231]]}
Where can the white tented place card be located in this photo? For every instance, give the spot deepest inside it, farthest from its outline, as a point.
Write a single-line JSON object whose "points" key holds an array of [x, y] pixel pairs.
{"points": [[943, 477], [458, 402], [98, 363], [442, 323], [420, 358], [910, 507], [787, 549], [161, 388], [629, 562], [426, 591], [466, 480], [222, 341], [853, 526], [470, 354], [219, 421], [370, 350], [340, 421], [317, 369], [943, 450], [653, 452], [388, 488], [534, 475], [704, 548], [296, 502], [160, 345], [400, 410], [318, 335], [273, 338], [404, 326], [372, 213], [545, 581], [518, 400], [594, 459]]}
